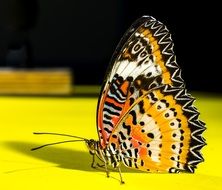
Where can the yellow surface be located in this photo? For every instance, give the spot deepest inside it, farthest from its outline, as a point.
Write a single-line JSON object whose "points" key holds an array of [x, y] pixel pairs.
{"points": [[67, 166]]}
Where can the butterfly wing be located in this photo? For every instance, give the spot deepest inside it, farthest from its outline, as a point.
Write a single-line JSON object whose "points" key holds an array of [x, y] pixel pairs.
{"points": [[144, 111], [161, 132], [144, 59]]}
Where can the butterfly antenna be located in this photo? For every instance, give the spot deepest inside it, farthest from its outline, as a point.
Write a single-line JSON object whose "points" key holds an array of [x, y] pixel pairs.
{"points": [[59, 134], [60, 142]]}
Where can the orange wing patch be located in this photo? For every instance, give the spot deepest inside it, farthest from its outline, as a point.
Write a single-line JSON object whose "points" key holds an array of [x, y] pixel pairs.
{"points": [[158, 129], [156, 52]]}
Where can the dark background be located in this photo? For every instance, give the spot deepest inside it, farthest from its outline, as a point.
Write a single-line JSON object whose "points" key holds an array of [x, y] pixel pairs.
{"points": [[83, 35]]}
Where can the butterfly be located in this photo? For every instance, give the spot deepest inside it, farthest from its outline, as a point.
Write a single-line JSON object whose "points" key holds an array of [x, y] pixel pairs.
{"points": [[146, 119]]}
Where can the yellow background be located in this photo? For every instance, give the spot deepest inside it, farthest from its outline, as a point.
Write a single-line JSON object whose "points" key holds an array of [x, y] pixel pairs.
{"points": [[67, 166]]}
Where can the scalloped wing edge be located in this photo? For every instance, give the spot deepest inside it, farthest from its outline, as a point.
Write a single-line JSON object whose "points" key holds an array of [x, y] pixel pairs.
{"points": [[196, 126]]}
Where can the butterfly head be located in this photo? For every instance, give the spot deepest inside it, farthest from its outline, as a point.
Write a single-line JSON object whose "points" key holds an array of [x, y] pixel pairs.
{"points": [[92, 146]]}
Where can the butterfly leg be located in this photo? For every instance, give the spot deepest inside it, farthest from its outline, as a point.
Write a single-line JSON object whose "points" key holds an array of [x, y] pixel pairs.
{"points": [[93, 165], [103, 166], [100, 165], [106, 168], [120, 174], [93, 161]]}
